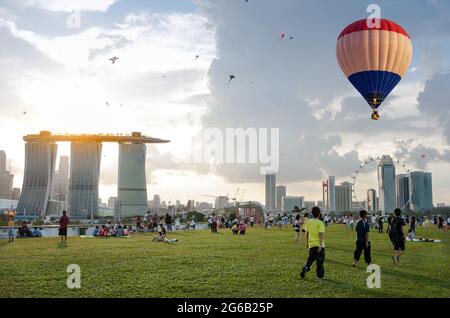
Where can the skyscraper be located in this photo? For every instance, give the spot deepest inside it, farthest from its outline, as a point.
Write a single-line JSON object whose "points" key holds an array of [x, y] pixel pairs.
{"points": [[132, 187], [281, 192], [309, 205], [386, 185], [2, 162], [6, 179], [331, 194], [60, 189], [421, 191], [40, 160], [270, 191], [343, 195], [289, 202], [84, 178], [372, 206], [402, 191], [156, 201]]}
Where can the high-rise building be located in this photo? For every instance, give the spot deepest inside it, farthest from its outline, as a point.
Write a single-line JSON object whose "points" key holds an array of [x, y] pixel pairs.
{"points": [[60, 188], [132, 186], [6, 185], [221, 202], [320, 206], [16, 194], [111, 202], [309, 205], [372, 201], [402, 191], [421, 191], [6, 179], [156, 201], [325, 196], [2, 162], [281, 192], [271, 181], [289, 202], [84, 178], [40, 160], [343, 195], [386, 185], [331, 194]]}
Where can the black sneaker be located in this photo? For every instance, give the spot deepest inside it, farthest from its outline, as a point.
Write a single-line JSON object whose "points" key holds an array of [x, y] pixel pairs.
{"points": [[302, 274]]}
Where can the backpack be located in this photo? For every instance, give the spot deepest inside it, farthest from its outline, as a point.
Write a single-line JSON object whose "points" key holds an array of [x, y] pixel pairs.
{"points": [[393, 233]]}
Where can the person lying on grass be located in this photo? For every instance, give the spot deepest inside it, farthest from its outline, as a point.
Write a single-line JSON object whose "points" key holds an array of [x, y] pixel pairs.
{"points": [[162, 238]]}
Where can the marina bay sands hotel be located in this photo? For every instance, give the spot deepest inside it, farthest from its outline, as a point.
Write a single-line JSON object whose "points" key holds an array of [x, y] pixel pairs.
{"points": [[85, 158]]}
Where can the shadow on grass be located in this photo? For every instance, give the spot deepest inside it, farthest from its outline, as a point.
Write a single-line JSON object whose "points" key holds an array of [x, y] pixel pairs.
{"points": [[406, 275]]}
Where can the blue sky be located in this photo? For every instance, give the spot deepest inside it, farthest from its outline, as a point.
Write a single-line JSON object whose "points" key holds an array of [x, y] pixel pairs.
{"points": [[62, 76]]}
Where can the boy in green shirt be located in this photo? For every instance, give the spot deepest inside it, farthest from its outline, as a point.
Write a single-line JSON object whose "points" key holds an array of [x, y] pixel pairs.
{"points": [[315, 232]]}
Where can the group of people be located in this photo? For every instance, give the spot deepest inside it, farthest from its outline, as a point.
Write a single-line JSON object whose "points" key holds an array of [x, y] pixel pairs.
{"points": [[315, 238], [109, 230], [23, 231]]}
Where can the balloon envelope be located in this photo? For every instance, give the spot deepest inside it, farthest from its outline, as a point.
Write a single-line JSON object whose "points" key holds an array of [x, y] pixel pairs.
{"points": [[374, 58]]}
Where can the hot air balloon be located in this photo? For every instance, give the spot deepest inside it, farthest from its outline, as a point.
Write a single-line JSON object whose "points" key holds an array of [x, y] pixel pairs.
{"points": [[374, 58]]}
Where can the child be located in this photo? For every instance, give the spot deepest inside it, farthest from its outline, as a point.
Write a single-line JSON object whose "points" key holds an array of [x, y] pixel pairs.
{"points": [[362, 239], [235, 228], [315, 232], [242, 228]]}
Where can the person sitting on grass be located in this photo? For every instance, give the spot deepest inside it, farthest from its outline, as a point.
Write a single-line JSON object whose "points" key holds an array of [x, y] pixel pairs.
{"points": [[362, 239], [315, 232], [242, 228], [129, 231], [103, 231], [37, 232], [119, 231], [235, 228], [96, 231], [24, 231]]}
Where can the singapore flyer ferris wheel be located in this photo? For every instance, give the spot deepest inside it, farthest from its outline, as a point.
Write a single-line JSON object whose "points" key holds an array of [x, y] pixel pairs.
{"points": [[364, 168]]}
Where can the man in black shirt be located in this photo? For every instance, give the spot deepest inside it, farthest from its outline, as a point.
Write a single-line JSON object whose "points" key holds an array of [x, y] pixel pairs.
{"points": [[397, 235], [362, 239]]}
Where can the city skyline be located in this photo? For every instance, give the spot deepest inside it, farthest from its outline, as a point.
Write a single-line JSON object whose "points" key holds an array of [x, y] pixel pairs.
{"points": [[60, 76]]}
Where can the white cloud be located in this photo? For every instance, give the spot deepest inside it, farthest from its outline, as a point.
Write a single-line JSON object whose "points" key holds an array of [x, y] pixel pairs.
{"points": [[71, 5]]}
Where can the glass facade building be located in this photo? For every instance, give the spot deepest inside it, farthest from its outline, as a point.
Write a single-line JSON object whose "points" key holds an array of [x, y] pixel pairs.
{"points": [[421, 191], [84, 179], [386, 185], [40, 158], [132, 187]]}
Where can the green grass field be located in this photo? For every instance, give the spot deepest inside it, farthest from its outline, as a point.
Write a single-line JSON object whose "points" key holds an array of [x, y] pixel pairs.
{"points": [[259, 264]]}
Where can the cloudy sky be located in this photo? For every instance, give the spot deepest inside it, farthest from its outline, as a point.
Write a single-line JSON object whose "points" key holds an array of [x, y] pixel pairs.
{"points": [[54, 64]]}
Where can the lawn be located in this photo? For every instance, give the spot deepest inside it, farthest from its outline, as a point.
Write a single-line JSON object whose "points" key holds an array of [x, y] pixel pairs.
{"points": [[259, 264]]}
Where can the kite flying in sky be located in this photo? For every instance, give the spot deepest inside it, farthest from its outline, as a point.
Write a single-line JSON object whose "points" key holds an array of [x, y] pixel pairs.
{"points": [[374, 58], [114, 59]]}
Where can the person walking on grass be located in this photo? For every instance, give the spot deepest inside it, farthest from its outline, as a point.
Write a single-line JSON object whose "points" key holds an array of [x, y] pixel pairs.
{"points": [[63, 222], [380, 224], [397, 234], [362, 240], [297, 227], [315, 238], [266, 222], [11, 229]]}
